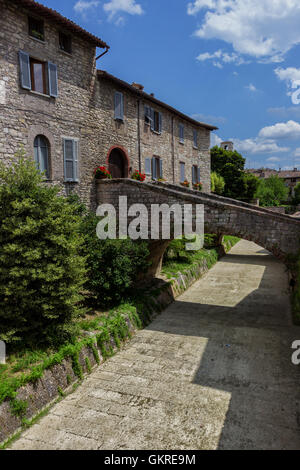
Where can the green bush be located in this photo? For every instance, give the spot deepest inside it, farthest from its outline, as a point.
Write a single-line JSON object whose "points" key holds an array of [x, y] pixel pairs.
{"points": [[41, 272], [113, 265], [272, 191], [217, 183]]}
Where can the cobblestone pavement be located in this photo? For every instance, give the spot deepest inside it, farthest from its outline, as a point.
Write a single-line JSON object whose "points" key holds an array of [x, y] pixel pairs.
{"points": [[213, 371]]}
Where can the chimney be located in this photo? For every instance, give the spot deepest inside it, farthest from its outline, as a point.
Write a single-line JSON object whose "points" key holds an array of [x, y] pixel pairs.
{"points": [[138, 86], [152, 94], [295, 169]]}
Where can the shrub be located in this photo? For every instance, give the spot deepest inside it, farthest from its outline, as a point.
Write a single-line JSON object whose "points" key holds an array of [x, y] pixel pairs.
{"points": [[217, 183], [113, 265], [272, 191], [41, 272]]}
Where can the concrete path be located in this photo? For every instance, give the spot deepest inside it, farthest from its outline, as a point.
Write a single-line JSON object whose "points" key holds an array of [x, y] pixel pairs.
{"points": [[213, 371]]}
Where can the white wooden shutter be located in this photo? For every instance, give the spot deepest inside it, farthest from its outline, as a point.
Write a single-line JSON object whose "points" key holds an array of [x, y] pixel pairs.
{"points": [[119, 106], [25, 70], [52, 80], [148, 166]]}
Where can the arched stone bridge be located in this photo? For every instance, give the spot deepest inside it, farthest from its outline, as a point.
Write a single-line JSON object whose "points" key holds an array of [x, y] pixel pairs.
{"points": [[277, 233]]}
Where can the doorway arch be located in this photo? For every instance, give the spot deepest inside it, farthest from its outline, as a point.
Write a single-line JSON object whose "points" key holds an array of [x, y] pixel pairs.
{"points": [[118, 162]]}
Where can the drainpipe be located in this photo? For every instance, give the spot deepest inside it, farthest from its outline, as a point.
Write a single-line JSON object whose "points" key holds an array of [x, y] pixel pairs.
{"points": [[139, 135], [173, 150], [103, 53]]}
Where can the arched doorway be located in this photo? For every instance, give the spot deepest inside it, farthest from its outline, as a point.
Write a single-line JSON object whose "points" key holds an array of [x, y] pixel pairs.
{"points": [[118, 163]]}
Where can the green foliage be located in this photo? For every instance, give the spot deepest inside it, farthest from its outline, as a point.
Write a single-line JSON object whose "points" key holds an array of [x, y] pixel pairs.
{"points": [[272, 191], [251, 183], [113, 265], [41, 272], [18, 407], [230, 166], [296, 199], [217, 183]]}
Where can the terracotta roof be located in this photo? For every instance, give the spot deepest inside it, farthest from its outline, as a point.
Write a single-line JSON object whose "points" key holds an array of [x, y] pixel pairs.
{"points": [[60, 20], [282, 174], [142, 94]]}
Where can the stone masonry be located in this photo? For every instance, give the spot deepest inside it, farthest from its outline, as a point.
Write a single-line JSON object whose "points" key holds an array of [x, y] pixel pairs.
{"points": [[84, 108]]}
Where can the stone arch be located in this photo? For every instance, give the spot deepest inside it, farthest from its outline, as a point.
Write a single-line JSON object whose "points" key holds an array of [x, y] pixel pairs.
{"points": [[118, 162]]}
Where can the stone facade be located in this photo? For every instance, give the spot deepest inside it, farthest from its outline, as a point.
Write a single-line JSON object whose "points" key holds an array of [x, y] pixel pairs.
{"points": [[84, 110]]}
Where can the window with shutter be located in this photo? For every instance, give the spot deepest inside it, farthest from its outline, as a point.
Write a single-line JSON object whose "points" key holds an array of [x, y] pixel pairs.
{"points": [[52, 78], [195, 174], [147, 115], [24, 60], [71, 159], [119, 106], [198, 175]]}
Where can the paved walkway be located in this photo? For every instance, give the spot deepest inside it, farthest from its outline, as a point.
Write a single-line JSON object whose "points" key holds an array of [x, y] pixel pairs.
{"points": [[212, 372]]}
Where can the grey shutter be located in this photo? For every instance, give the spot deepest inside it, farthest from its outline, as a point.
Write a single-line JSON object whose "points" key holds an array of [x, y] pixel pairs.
{"points": [[154, 176], [195, 139], [198, 175], [52, 80], [182, 172], [152, 118], [147, 114], [148, 166], [119, 106], [181, 132], [194, 174], [71, 159], [160, 168], [160, 123], [25, 70]]}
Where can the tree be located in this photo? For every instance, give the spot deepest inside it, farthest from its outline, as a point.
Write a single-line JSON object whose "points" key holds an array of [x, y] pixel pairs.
{"points": [[41, 272], [217, 183], [251, 183], [230, 165], [296, 199], [272, 191]]}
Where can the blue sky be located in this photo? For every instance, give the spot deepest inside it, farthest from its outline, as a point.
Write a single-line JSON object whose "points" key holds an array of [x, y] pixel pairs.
{"points": [[231, 63]]}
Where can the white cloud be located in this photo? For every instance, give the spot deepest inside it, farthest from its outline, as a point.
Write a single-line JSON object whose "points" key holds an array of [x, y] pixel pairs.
{"points": [[281, 130], [81, 6], [255, 146], [289, 75], [113, 7], [297, 152], [251, 87], [220, 57], [264, 29], [215, 140], [273, 159]]}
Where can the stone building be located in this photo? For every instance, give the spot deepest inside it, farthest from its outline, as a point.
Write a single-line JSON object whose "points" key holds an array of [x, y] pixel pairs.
{"points": [[71, 117]]}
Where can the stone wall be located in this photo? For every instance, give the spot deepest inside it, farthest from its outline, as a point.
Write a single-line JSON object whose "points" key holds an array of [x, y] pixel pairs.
{"points": [[84, 110], [277, 233]]}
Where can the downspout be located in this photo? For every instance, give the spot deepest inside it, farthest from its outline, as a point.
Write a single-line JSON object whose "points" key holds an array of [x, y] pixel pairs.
{"points": [[173, 150], [139, 135], [103, 53]]}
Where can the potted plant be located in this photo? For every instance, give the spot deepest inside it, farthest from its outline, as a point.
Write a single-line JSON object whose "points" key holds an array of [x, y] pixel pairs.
{"points": [[138, 176], [198, 186], [185, 183], [101, 173]]}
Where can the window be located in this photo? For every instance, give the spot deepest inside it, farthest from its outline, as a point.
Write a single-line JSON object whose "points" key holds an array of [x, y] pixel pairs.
{"points": [[182, 172], [119, 106], [195, 134], [41, 154], [37, 75], [195, 174], [65, 43], [157, 172], [71, 159], [181, 133], [148, 167], [154, 118], [36, 28]]}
